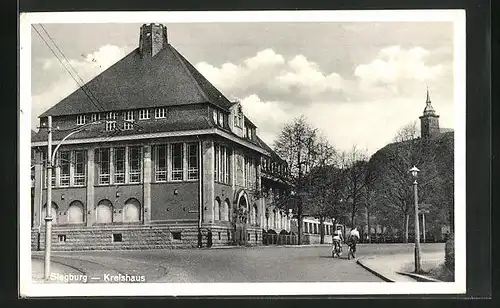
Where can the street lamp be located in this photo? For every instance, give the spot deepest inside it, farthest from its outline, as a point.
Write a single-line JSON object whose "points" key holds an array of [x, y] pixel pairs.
{"points": [[414, 172], [51, 157]]}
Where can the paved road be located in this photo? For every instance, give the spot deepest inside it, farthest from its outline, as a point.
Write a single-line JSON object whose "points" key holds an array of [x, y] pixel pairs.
{"points": [[258, 264]]}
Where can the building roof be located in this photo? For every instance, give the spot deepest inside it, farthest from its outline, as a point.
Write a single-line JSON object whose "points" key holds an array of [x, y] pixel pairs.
{"points": [[135, 82]]}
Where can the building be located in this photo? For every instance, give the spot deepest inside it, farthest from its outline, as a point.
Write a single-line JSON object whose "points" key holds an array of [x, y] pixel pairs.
{"points": [[163, 159], [311, 229]]}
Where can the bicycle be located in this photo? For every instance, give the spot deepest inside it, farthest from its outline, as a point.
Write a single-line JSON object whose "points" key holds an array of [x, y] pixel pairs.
{"points": [[336, 249]]}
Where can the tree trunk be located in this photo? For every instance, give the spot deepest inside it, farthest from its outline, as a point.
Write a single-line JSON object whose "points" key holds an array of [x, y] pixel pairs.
{"points": [[321, 231], [299, 225], [406, 226], [369, 227], [353, 214]]}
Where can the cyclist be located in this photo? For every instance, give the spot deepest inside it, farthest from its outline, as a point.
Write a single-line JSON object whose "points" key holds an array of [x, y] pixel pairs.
{"points": [[353, 240], [337, 238]]}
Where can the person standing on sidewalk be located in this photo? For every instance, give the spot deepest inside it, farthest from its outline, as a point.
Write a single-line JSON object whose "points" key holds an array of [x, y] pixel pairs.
{"points": [[353, 240]]}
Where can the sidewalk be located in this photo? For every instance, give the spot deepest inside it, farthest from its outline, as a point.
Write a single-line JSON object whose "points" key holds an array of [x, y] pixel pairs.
{"points": [[58, 272], [392, 268]]}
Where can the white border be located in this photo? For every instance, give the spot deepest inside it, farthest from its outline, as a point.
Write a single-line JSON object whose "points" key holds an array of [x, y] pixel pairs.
{"points": [[29, 289]]}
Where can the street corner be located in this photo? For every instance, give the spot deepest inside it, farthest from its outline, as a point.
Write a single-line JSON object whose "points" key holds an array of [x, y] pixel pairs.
{"points": [[59, 273]]}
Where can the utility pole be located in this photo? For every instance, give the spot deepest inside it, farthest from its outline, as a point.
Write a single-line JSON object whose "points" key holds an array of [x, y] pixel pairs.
{"points": [[48, 207]]}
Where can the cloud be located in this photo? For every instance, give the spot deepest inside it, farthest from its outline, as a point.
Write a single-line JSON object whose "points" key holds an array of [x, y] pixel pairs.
{"points": [[397, 71], [267, 115], [86, 68], [387, 92], [296, 80]]}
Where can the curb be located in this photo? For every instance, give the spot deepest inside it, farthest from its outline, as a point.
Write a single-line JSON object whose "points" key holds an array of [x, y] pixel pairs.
{"points": [[419, 278], [379, 275]]}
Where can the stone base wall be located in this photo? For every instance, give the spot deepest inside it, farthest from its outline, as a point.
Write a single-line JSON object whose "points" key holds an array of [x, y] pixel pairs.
{"points": [[136, 237]]}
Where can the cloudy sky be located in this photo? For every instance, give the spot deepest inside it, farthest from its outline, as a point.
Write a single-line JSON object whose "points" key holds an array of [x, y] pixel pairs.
{"points": [[357, 82]]}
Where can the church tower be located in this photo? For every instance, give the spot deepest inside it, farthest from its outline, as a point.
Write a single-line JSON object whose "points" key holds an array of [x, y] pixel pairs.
{"points": [[429, 121], [153, 38]]}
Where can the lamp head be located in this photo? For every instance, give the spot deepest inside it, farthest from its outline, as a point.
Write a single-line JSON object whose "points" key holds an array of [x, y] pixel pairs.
{"points": [[414, 171]]}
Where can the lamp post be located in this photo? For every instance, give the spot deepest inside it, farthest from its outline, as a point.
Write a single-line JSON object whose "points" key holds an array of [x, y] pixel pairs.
{"points": [[414, 172], [51, 156]]}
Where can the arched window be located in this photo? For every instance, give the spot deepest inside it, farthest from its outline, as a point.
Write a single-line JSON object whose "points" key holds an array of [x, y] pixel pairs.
{"points": [[75, 212], [104, 212], [255, 215], [132, 211], [227, 209], [53, 213], [217, 209], [275, 219]]}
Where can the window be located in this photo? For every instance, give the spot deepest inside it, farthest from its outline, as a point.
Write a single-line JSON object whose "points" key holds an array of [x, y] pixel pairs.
{"points": [[79, 172], [128, 117], [111, 115], [119, 164], [236, 120], [81, 119], [103, 156], [176, 235], [217, 210], [250, 172], [75, 213], [160, 163], [177, 161], [93, 117], [222, 164], [160, 113], [117, 237], [221, 119], [134, 165], [192, 161], [247, 132], [215, 116], [64, 163], [143, 114], [111, 121]]}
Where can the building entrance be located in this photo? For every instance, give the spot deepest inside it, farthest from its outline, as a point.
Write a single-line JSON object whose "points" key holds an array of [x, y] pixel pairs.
{"points": [[239, 219]]}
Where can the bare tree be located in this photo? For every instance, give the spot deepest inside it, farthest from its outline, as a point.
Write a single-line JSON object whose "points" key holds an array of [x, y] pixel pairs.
{"points": [[296, 144], [395, 184], [324, 182], [355, 166]]}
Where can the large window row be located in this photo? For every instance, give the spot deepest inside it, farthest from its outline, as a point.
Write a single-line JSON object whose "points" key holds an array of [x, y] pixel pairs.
{"points": [[222, 164], [176, 162], [121, 165], [70, 169]]}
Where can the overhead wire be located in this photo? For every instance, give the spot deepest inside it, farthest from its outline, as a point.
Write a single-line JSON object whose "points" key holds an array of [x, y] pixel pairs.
{"points": [[83, 86]]}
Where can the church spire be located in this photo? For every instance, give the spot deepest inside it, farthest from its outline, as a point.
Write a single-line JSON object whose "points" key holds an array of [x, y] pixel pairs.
{"points": [[429, 110], [429, 121]]}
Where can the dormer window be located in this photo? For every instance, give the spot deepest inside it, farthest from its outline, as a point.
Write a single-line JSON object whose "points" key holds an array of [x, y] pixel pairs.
{"points": [[160, 113], [81, 119], [110, 120], [128, 117], [143, 114], [111, 115]]}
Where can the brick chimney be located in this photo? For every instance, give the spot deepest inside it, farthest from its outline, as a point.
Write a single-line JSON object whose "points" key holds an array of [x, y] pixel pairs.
{"points": [[153, 38]]}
